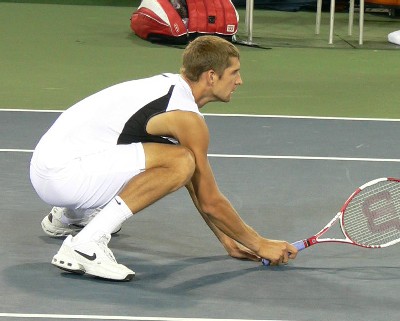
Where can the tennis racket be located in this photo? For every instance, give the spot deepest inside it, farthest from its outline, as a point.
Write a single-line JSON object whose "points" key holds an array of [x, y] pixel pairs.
{"points": [[369, 218]]}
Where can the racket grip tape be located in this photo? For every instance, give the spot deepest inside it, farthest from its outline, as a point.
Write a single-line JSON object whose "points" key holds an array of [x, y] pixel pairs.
{"points": [[298, 245]]}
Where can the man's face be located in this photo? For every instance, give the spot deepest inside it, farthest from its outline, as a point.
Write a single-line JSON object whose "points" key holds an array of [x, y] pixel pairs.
{"points": [[224, 86]]}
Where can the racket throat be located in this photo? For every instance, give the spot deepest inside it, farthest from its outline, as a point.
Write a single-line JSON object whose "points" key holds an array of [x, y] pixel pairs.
{"points": [[310, 241]]}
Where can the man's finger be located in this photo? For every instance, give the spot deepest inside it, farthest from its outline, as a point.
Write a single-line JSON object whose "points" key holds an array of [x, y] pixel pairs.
{"points": [[292, 251]]}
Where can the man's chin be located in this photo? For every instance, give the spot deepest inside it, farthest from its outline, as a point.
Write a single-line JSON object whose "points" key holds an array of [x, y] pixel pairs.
{"points": [[224, 99]]}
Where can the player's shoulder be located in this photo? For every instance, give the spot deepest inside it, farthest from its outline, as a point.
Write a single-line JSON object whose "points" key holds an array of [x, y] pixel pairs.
{"points": [[186, 116], [183, 120]]}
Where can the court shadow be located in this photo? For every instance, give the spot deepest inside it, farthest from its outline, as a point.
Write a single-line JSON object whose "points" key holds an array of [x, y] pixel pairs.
{"points": [[385, 273], [179, 278]]}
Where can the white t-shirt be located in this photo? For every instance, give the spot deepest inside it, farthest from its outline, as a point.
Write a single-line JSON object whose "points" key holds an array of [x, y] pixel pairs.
{"points": [[115, 115]]}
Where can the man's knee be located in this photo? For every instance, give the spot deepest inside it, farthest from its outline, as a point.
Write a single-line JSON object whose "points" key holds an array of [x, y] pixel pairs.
{"points": [[178, 159]]}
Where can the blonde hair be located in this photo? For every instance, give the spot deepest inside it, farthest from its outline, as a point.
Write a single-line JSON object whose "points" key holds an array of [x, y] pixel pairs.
{"points": [[207, 53]]}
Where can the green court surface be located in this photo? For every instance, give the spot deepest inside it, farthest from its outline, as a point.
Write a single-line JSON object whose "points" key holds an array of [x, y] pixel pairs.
{"points": [[52, 55]]}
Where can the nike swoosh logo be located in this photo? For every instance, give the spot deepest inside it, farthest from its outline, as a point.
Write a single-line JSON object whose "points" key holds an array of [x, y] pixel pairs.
{"points": [[88, 257], [119, 203]]}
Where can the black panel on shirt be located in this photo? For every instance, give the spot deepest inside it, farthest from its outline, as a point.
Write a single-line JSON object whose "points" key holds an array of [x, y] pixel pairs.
{"points": [[134, 130]]}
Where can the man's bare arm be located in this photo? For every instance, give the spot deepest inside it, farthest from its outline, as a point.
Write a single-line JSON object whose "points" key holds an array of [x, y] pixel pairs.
{"points": [[192, 132], [233, 248]]}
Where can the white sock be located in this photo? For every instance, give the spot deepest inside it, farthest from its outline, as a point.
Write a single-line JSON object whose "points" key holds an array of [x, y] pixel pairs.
{"points": [[106, 221]]}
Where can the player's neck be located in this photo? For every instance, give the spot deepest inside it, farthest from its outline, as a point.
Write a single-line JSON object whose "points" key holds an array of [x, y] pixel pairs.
{"points": [[200, 91]]}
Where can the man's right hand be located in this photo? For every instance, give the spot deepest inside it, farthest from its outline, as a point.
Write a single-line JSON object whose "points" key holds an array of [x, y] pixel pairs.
{"points": [[277, 252]]}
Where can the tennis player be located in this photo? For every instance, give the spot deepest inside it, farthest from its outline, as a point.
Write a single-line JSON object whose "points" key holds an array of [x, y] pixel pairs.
{"points": [[116, 152]]}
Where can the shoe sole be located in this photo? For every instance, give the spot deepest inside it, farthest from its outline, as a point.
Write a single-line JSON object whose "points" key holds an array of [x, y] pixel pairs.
{"points": [[68, 266], [76, 268], [59, 232]]}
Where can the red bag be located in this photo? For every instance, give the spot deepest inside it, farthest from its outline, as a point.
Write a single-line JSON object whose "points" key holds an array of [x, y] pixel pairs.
{"points": [[179, 21]]}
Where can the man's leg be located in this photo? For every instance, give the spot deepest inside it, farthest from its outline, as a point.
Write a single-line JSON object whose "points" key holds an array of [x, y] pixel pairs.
{"points": [[167, 169]]}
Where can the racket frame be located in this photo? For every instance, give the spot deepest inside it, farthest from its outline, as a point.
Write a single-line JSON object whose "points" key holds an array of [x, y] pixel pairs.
{"points": [[315, 239]]}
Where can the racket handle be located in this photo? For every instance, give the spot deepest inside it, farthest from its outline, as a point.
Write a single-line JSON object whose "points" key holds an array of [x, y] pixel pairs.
{"points": [[298, 245]]}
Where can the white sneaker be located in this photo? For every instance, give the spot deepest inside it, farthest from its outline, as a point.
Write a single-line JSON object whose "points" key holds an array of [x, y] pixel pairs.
{"points": [[53, 226], [94, 258]]}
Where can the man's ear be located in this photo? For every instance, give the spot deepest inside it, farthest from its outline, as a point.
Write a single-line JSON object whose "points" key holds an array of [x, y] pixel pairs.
{"points": [[211, 76]]}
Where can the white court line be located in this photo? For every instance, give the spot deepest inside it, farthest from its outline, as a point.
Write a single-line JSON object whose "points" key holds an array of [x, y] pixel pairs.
{"points": [[238, 115], [112, 317], [306, 117], [33, 110], [7, 150], [351, 159]]}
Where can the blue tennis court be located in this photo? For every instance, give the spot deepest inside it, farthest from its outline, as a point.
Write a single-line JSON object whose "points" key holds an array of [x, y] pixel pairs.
{"points": [[285, 185]]}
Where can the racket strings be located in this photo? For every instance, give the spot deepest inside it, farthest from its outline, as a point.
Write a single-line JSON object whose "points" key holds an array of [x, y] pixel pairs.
{"points": [[372, 216]]}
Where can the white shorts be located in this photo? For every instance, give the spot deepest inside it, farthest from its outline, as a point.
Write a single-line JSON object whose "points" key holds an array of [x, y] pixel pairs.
{"points": [[90, 181]]}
